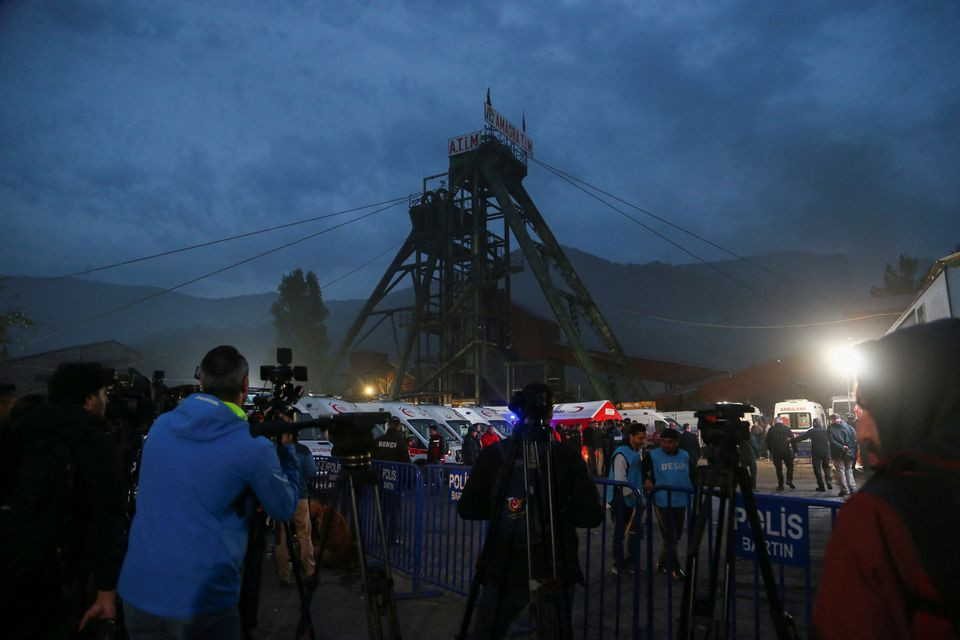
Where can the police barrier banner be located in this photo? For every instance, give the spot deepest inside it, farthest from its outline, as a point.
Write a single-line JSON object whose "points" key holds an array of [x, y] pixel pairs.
{"points": [[785, 529], [456, 481], [388, 478]]}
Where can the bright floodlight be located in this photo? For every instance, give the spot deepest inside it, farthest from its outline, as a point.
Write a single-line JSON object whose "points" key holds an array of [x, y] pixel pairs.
{"points": [[369, 390], [844, 359]]}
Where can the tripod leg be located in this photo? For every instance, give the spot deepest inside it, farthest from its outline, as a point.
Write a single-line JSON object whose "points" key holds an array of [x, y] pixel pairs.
{"points": [[782, 621], [384, 599]]}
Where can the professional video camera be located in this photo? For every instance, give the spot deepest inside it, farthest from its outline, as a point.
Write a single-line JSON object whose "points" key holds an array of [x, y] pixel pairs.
{"points": [[282, 371], [533, 405], [722, 420]]}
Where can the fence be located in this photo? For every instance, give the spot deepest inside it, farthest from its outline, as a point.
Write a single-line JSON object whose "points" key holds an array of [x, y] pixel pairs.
{"points": [[428, 542]]}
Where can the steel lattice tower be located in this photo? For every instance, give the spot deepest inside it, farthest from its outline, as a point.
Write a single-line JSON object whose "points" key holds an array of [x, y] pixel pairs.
{"points": [[458, 259]]}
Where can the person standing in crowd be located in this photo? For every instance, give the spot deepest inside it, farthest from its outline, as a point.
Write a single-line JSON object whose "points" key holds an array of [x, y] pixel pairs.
{"points": [[626, 467], [759, 431], [748, 452], [489, 437], [507, 580], [201, 476], [819, 439], [690, 443], [778, 443], [668, 466], [593, 439], [471, 445], [61, 523], [572, 437], [613, 439], [301, 519], [891, 566], [436, 446], [392, 446], [843, 451]]}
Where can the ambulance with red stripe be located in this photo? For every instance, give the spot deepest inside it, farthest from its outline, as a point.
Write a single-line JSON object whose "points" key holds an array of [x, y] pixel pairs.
{"points": [[416, 423]]}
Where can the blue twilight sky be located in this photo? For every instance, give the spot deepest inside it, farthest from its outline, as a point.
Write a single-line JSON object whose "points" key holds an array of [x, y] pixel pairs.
{"points": [[128, 128]]}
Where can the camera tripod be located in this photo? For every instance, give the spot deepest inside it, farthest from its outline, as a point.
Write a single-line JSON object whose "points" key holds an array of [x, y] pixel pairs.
{"points": [[548, 598], [722, 477], [377, 582]]}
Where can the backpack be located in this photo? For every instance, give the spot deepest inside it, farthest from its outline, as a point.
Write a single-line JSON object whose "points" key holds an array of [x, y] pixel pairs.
{"points": [[900, 484], [37, 481]]}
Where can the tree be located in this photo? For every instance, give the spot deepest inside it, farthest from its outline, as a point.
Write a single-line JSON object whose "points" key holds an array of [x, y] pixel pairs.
{"points": [[15, 319], [899, 280], [298, 317]]}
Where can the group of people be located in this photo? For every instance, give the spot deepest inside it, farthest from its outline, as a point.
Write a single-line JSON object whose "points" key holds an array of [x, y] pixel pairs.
{"points": [[178, 565], [475, 441]]}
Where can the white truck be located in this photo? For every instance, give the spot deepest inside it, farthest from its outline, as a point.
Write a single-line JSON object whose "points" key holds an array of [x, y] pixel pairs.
{"points": [[938, 299]]}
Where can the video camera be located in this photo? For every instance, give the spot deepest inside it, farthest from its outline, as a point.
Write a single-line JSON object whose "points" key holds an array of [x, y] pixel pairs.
{"points": [[723, 421], [532, 404], [282, 372], [350, 433]]}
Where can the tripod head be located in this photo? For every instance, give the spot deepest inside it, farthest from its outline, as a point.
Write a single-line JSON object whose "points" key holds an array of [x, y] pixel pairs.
{"points": [[723, 430]]}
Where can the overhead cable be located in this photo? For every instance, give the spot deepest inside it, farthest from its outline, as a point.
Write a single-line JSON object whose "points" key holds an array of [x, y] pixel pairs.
{"points": [[711, 265], [692, 234]]}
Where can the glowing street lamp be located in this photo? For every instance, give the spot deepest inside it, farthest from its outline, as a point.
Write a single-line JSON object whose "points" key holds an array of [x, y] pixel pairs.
{"points": [[369, 391], [845, 361]]}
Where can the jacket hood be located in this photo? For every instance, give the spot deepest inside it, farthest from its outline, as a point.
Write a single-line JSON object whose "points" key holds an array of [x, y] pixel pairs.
{"points": [[910, 384], [203, 417]]}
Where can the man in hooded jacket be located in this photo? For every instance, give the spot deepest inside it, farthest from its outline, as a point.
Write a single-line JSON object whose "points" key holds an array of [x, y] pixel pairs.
{"points": [[891, 567], [819, 439], [201, 472]]}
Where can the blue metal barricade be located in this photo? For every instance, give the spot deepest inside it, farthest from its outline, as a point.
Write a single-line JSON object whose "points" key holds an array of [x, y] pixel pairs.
{"points": [[431, 544]]}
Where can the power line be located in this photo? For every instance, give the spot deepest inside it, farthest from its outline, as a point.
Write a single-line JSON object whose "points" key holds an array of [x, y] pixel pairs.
{"points": [[711, 265], [745, 327], [692, 234], [222, 269], [365, 264], [200, 245]]}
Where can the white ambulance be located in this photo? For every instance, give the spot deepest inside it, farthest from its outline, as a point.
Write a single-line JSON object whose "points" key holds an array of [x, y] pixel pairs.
{"points": [[416, 424], [799, 414]]}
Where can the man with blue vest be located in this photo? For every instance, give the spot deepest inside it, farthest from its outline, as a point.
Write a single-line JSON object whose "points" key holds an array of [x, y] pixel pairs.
{"points": [[669, 467], [625, 467]]}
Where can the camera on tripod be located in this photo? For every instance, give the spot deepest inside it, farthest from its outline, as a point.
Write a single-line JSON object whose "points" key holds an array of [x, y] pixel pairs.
{"points": [[723, 423], [281, 373]]}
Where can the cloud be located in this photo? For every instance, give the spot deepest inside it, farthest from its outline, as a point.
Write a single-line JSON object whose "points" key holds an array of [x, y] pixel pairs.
{"points": [[129, 128]]}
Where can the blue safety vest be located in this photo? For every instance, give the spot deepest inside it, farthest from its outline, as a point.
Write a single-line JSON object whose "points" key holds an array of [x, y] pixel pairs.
{"points": [[671, 471], [634, 473]]}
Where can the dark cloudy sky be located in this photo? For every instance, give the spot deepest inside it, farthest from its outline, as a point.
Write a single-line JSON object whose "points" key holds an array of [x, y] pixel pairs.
{"points": [[128, 128]]}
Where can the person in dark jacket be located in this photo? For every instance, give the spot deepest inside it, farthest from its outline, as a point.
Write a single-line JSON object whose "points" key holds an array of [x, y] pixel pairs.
{"points": [[572, 437], [53, 601], [778, 443], [613, 438], [593, 441], [436, 446], [471, 445], [392, 446], [819, 439], [891, 565], [748, 452], [506, 581], [843, 452], [690, 443]]}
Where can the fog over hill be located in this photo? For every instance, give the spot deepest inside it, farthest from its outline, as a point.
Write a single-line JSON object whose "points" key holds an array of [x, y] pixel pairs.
{"points": [[173, 330]]}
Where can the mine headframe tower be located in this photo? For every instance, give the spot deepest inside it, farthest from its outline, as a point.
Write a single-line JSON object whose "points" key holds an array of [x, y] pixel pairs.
{"points": [[458, 259]]}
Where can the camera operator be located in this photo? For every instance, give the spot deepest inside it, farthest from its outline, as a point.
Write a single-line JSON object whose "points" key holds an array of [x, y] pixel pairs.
{"points": [[506, 581], [62, 518], [200, 473], [301, 517]]}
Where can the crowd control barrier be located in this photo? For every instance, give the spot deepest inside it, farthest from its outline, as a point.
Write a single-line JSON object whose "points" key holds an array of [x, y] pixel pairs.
{"points": [[430, 544]]}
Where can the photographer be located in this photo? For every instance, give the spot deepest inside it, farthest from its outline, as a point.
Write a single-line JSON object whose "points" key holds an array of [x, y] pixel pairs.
{"points": [[201, 471], [506, 580], [62, 518]]}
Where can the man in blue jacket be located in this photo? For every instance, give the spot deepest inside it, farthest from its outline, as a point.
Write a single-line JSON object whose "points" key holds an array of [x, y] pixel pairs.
{"points": [[200, 472], [625, 467]]}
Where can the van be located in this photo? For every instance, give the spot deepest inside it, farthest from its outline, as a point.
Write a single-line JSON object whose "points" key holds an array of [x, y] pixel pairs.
{"points": [[799, 414], [484, 416], [416, 423], [653, 420], [842, 405], [450, 417]]}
